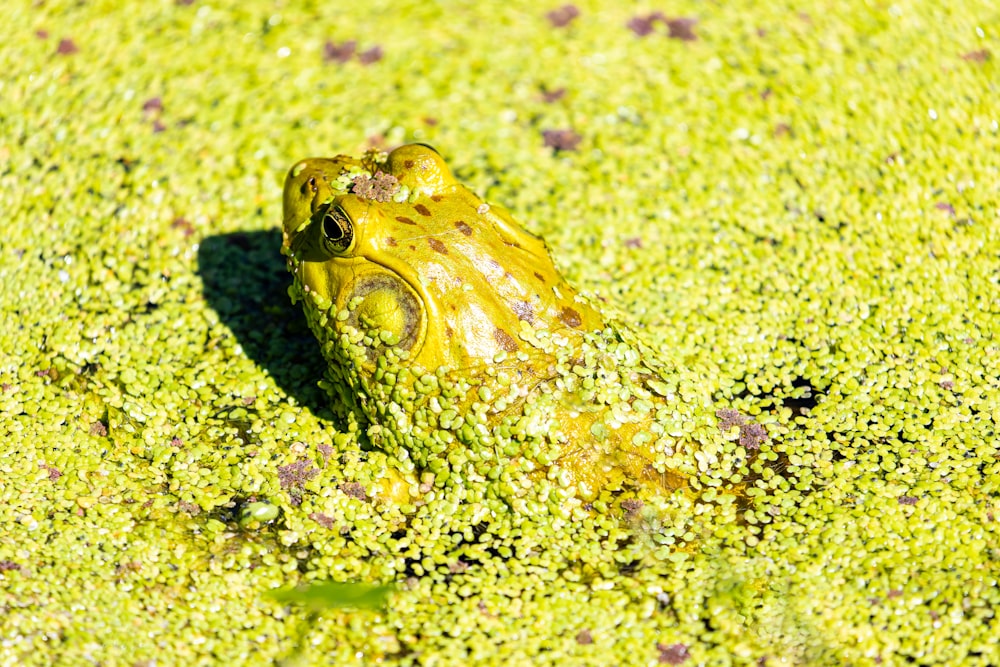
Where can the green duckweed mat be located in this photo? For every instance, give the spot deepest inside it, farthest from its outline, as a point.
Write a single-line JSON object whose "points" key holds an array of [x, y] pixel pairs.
{"points": [[796, 201]]}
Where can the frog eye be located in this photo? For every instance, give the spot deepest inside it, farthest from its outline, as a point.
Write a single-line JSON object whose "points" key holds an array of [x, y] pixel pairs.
{"points": [[337, 230]]}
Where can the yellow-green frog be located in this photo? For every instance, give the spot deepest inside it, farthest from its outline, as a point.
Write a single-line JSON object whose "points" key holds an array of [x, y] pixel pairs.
{"points": [[447, 326]]}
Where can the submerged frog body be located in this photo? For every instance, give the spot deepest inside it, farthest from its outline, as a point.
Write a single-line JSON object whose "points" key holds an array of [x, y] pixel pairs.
{"points": [[447, 327]]}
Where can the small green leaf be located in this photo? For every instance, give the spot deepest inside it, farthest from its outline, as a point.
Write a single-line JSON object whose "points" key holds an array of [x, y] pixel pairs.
{"points": [[325, 595]]}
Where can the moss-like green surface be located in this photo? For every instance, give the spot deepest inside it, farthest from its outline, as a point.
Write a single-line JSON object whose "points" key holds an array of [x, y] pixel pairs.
{"points": [[798, 208]]}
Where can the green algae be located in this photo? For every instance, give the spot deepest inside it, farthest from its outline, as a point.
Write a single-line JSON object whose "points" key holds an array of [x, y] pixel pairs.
{"points": [[797, 209]]}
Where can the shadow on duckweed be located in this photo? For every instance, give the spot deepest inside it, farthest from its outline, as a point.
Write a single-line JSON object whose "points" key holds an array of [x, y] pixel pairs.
{"points": [[245, 282]]}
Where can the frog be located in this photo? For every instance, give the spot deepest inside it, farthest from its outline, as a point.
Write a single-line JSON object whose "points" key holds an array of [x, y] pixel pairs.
{"points": [[449, 331]]}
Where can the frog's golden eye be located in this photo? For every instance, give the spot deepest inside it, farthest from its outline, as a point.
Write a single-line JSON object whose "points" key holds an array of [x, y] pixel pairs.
{"points": [[337, 230]]}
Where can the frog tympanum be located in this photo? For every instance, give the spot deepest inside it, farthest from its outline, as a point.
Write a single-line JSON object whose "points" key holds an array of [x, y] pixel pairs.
{"points": [[447, 328]]}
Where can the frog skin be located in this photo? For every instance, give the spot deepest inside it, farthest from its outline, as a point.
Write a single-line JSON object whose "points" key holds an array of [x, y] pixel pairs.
{"points": [[448, 329]]}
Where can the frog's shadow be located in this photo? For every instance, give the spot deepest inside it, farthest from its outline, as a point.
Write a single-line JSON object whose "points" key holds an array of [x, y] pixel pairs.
{"points": [[245, 282]]}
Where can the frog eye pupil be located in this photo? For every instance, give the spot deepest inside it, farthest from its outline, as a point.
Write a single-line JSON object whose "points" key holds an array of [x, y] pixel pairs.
{"points": [[331, 229]]}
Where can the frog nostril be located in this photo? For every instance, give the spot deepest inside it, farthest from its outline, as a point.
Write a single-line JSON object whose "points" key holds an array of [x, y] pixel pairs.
{"points": [[309, 186]]}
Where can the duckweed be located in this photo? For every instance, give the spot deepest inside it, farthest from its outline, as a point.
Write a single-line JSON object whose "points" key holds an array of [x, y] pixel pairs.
{"points": [[795, 209]]}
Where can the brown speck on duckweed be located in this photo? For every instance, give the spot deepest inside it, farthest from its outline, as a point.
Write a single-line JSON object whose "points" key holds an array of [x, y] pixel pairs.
{"points": [[908, 500], [99, 429], [562, 140], [354, 490], [370, 56], [67, 47], [633, 243], [295, 475], [377, 142], [191, 509], [682, 29], [322, 519], [673, 654], [153, 104], [632, 506], [945, 206], [8, 565], [54, 473], [42, 34], [752, 435], [339, 53], [643, 25], [584, 637], [980, 56], [379, 188], [729, 418], [562, 16], [457, 567], [550, 96]]}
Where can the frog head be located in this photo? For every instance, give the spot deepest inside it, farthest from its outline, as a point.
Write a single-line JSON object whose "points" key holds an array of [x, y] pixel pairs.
{"points": [[397, 249]]}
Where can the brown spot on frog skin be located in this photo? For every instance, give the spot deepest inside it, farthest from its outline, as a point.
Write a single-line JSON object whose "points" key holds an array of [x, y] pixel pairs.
{"points": [[437, 246], [422, 210], [504, 340], [570, 317], [436, 198], [403, 219], [540, 277], [391, 242], [464, 228], [408, 164]]}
